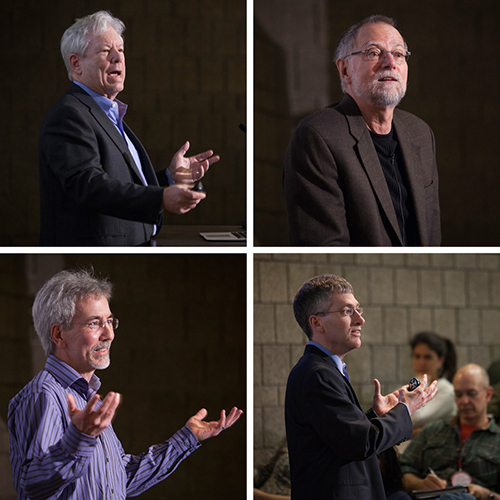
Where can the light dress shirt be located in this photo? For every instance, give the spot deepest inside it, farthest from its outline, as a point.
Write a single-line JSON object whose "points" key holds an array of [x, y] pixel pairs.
{"points": [[52, 459], [338, 362], [115, 110]]}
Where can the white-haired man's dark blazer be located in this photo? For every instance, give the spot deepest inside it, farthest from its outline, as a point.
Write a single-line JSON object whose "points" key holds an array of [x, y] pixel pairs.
{"points": [[90, 189]]}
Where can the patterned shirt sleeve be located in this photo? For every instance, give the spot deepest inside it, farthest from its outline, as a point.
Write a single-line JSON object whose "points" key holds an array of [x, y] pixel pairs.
{"points": [[50, 457], [158, 462]]}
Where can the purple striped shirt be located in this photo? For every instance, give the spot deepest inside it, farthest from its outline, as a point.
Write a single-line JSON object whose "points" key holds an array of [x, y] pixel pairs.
{"points": [[52, 459]]}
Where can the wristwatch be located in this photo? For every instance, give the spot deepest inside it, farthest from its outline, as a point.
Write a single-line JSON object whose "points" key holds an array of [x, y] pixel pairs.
{"points": [[491, 496]]}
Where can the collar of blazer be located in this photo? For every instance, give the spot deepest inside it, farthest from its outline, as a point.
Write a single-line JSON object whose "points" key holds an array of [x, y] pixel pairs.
{"points": [[108, 126], [371, 164], [311, 349]]}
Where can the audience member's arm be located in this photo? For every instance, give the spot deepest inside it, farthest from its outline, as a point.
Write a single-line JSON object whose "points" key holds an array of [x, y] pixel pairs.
{"points": [[413, 482], [260, 495], [481, 493]]}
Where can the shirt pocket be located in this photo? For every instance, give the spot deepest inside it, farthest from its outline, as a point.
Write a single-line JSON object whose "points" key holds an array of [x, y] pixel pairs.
{"points": [[485, 467], [440, 454]]}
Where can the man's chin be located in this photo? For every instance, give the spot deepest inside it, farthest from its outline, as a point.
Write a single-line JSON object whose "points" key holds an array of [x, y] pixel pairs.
{"points": [[100, 364], [113, 91], [387, 99]]}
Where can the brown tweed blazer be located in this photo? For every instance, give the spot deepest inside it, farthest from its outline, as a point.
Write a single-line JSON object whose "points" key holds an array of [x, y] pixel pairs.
{"points": [[335, 189]]}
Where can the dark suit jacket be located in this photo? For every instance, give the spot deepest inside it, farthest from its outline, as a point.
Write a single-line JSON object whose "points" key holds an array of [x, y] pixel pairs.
{"points": [[335, 189], [90, 189], [332, 443]]}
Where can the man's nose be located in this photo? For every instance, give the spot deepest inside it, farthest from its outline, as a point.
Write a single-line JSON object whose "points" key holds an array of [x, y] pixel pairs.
{"points": [[389, 60], [107, 332], [357, 318], [116, 55]]}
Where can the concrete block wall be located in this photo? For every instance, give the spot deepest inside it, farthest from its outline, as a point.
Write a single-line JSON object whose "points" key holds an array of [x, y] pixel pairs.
{"points": [[450, 41], [455, 295], [181, 346], [186, 80]]}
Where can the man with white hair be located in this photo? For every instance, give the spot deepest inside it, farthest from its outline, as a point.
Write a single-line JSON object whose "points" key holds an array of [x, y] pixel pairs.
{"points": [[361, 172], [62, 443], [97, 184]]}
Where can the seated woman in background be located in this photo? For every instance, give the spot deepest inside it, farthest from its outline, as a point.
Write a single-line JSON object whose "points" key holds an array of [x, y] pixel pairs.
{"points": [[435, 356]]}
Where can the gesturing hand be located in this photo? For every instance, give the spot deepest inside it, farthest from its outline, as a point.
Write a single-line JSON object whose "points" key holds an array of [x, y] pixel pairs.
{"points": [[93, 422], [419, 397], [179, 199], [204, 430], [191, 169], [382, 404]]}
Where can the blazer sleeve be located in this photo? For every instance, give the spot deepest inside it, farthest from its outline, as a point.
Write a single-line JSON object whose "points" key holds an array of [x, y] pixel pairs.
{"points": [[344, 427], [92, 171], [312, 188]]}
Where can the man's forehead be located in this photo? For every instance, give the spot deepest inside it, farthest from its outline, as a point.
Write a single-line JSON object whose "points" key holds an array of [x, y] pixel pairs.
{"points": [[380, 33], [467, 382], [108, 36], [91, 300], [343, 299]]}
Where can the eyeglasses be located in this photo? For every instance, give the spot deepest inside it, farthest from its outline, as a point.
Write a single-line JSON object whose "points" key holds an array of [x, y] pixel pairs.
{"points": [[94, 325], [376, 54], [347, 311]]}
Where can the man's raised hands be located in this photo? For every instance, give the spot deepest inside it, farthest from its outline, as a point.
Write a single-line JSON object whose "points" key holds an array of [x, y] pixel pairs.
{"points": [[91, 420]]}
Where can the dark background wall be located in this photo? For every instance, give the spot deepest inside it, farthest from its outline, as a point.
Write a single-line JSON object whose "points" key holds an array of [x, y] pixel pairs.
{"points": [[180, 347], [454, 85], [186, 80]]}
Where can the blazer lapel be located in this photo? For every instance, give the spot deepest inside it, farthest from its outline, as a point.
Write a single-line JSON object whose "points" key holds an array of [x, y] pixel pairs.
{"points": [[369, 160], [311, 349], [147, 166], [412, 162], [106, 124]]}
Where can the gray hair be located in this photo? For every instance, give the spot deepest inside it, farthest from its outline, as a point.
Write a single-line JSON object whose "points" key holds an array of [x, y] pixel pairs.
{"points": [[347, 42], [55, 302], [77, 37], [314, 295]]}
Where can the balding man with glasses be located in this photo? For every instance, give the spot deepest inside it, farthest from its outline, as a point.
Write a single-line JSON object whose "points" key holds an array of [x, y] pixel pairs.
{"points": [[361, 172], [62, 443], [332, 443]]}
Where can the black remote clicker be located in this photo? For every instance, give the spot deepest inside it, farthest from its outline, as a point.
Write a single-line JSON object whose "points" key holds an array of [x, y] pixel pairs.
{"points": [[413, 384]]}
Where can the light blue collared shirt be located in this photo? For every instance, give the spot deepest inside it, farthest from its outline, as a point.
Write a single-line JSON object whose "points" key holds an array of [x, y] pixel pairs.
{"points": [[338, 362], [115, 111]]}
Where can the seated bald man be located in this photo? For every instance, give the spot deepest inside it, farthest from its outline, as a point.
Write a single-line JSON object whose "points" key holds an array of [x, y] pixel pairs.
{"points": [[462, 452]]}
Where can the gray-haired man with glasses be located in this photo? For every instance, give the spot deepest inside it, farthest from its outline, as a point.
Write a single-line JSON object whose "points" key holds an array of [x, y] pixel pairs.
{"points": [[361, 172], [332, 443], [62, 443]]}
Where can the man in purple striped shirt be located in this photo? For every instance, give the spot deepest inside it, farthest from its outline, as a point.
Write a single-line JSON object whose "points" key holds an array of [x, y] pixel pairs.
{"points": [[62, 443]]}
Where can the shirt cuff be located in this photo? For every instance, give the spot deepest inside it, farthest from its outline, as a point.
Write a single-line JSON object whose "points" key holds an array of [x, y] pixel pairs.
{"points": [[171, 181], [406, 407], [186, 439]]}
